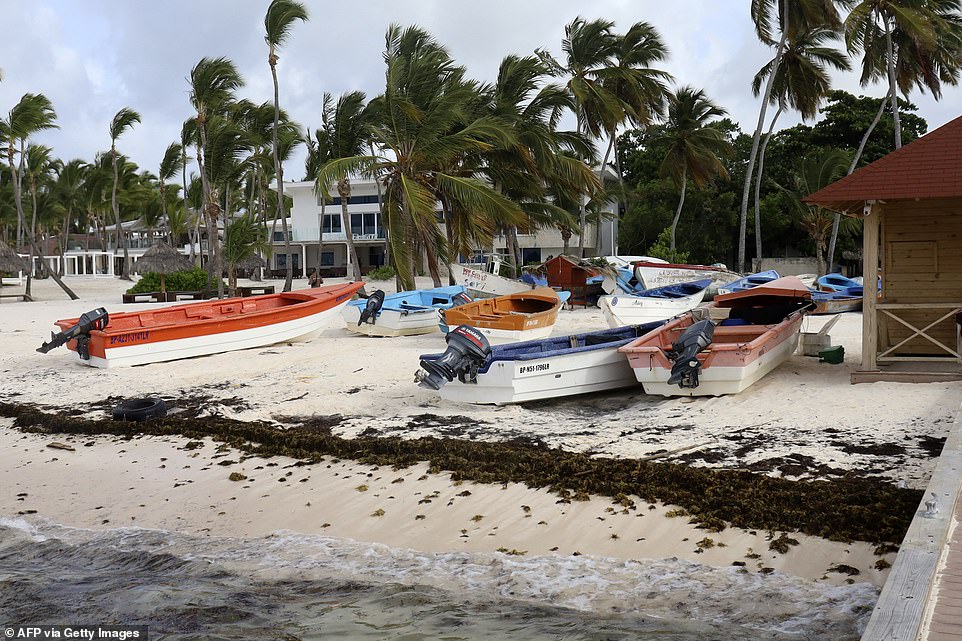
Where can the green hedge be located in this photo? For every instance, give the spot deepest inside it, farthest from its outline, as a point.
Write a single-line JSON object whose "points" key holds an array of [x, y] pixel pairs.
{"points": [[186, 281], [381, 273]]}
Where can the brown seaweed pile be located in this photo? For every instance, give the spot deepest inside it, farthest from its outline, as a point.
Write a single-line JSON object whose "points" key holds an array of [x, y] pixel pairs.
{"points": [[842, 509]]}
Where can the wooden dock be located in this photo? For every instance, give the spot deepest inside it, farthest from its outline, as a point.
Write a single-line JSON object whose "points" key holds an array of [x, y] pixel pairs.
{"points": [[922, 598]]}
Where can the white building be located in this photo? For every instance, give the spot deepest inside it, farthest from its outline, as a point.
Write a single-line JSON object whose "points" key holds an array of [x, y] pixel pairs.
{"points": [[308, 249]]}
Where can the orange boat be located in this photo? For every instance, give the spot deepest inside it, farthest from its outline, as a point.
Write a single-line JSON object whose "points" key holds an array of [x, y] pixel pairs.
{"points": [[516, 317], [197, 329]]}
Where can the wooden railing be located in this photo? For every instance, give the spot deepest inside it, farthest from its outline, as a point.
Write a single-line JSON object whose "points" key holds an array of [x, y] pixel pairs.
{"points": [[889, 311]]}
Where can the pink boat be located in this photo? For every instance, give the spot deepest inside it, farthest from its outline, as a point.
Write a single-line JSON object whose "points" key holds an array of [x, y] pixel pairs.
{"points": [[725, 347]]}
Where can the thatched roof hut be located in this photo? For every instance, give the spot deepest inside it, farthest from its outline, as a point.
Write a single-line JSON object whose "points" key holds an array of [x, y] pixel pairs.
{"points": [[162, 259], [10, 262]]}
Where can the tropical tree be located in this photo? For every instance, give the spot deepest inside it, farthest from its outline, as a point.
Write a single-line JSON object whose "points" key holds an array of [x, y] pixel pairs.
{"points": [[801, 82], [281, 16], [69, 194], [212, 85], [424, 125], [170, 164], [38, 166], [344, 133], [695, 149], [244, 238], [122, 121], [32, 114], [789, 17]]}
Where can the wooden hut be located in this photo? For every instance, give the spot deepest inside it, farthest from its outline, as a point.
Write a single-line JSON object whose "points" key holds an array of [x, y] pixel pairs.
{"points": [[910, 202], [566, 273]]}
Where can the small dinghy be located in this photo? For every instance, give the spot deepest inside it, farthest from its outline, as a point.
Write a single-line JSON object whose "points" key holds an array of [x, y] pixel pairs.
{"points": [[198, 329], [485, 281], [699, 354], [835, 283], [509, 319], [532, 370], [652, 305], [402, 314], [747, 282]]}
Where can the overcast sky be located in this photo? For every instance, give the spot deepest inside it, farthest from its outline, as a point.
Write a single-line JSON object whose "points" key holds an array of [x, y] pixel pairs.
{"points": [[92, 57]]}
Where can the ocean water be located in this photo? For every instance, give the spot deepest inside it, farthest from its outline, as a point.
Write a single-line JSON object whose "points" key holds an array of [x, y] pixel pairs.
{"points": [[291, 586]]}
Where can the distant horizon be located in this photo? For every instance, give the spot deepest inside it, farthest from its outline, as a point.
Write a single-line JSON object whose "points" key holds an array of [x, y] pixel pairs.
{"points": [[93, 59]]}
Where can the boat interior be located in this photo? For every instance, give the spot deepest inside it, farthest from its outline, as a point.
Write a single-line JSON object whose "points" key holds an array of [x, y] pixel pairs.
{"points": [[494, 308], [574, 343], [681, 290], [201, 311]]}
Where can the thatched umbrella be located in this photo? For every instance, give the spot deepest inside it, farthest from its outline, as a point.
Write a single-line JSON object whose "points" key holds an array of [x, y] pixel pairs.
{"points": [[251, 262], [162, 259], [10, 262]]}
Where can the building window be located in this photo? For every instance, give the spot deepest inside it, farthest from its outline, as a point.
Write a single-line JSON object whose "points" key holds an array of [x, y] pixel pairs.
{"points": [[281, 261], [357, 223], [356, 200], [279, 236], [332, 224], [327, 259], [531, 255], [375, 256]]}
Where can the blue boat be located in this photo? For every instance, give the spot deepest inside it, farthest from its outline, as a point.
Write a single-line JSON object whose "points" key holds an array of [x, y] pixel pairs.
{"points": [[680, 290], [839, 283], [533, 370], [401, 314], [655, 304], [747, 282]]}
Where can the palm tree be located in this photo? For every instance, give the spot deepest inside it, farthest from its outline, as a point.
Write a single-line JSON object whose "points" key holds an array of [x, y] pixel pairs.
{"points": [[422, 128], [801, 82], [69, 191], [245, 237], [792, 17], [345, 134], [694, 148], [170, 164], [122, 121], [38, 164], [212, 81], [281, 15], [33, 113]]}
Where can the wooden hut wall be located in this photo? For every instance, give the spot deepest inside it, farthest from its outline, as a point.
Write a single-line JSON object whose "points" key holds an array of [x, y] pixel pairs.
{"points": [[921, 246]]}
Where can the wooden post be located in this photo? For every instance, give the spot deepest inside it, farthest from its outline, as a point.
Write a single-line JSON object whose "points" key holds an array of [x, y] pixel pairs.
{"points": [[870, 236]]}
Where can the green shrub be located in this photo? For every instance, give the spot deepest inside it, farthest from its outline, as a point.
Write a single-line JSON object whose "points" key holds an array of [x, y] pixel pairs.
{"points": [[381, 273], [661, 249], [186, 281]]}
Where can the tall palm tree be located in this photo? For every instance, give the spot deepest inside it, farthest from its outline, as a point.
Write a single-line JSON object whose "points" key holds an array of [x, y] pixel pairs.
{"points": [[281, 16], [345, 134], [801, 83], [69, 191], [170, 164], [38, 166], [789, 17], [32, 114], [122, 121], [212, 83], [422, 128], [695, 149]]}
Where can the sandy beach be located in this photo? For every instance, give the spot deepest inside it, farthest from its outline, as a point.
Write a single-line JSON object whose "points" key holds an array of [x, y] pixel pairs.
{"points": [[804, 421]]}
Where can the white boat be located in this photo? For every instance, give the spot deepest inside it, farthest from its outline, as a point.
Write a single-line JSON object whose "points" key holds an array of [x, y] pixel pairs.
{"points": [[690, 356], [484, 281], [652, 275], [652, 305], [629, 261], [403, 314], [549, 368]]}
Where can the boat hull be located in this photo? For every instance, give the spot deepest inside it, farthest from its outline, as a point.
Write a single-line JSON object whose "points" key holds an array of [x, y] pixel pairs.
{"points": [[391, 322], [515, 317], [482, 284], [652, 275], [837, 305], [553, 377], [498, 336], [168, 342], [636, 310]]}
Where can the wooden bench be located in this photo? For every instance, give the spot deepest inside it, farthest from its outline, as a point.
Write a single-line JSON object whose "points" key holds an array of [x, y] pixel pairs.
{"points": [[254, 290], [148, 297]]}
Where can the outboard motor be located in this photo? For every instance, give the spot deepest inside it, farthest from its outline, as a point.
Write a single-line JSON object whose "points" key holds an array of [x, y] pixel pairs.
{"points": [[684, 352], [89, 321], [460, 299], [467, 351], [369, 313]]}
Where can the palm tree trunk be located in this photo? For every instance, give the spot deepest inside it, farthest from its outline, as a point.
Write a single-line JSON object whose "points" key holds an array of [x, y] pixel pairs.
{"points": [[66, 237], [33, 222], [210, 207], [830, 256], [622, 196], [344, 191], [893, 88], [432, 256], [583, 212], [604, 164], [380, 211], [279, 172], [758, 183], [743, 213], [22, 221], [449, 232], [681, 203], [121, 237], [190, 236]]}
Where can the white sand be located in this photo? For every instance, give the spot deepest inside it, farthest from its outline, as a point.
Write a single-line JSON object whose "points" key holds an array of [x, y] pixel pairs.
{"points": [[805, 414]]}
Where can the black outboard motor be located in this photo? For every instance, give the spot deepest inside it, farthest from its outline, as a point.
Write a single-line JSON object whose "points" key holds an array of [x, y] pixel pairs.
{"points": [[89, 321], [684, 373], [467, 351], [369, 313]]}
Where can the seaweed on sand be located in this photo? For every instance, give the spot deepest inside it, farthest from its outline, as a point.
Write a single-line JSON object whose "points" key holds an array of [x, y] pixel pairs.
{"points": [[843, 509]]}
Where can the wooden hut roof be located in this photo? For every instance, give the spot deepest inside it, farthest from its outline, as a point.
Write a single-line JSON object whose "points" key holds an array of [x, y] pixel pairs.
{"points": [[930, 167]]}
